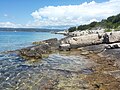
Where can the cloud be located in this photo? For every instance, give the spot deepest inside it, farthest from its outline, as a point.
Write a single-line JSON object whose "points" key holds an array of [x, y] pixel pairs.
{"points": [[72, 15], [9, 25], [5, 15]]}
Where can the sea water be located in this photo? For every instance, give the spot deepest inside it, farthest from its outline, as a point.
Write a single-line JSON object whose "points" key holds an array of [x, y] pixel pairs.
{"points": [[16, 40]]}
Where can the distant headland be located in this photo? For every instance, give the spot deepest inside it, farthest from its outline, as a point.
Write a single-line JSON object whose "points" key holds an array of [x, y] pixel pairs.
{"points": [[30, 29]]}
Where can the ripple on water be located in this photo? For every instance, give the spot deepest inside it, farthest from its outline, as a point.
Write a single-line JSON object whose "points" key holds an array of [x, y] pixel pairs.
{"points": [[16, 73]]}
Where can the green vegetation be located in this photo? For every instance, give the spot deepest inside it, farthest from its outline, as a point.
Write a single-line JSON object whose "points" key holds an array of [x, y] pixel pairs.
{"points": [[112, 22], [117, 29], [108, 30], [71, 29]]}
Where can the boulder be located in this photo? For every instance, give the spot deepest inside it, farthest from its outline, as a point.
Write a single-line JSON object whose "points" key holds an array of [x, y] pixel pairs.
{"points": [[40, 48], [34, 52], [112, 46], [65, 47], [92, 39]]}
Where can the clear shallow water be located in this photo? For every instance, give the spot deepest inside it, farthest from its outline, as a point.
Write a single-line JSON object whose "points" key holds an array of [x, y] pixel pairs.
{"points": [[18, 74], [16, 40]]}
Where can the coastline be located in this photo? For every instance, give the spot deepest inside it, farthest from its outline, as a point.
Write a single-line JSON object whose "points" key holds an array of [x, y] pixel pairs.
{"points": [[104, 75]]}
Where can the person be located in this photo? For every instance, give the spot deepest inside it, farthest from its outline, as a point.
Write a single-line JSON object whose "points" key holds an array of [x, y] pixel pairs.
{"points": [[106, 38], [99, 36]]}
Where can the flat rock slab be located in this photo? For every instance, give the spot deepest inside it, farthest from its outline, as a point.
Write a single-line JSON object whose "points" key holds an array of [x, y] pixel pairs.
{"points": [[69, 63], [115, 73], [95, 48], [112, 53]]}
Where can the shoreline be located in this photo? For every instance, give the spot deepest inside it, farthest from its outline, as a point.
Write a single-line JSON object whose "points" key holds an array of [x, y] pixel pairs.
{"points": [[105, 75]]}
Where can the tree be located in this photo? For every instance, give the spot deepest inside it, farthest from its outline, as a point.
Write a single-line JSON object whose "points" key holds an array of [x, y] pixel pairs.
{"points": [[111, 22], [72, 29], [83, 27], [93, 24]]}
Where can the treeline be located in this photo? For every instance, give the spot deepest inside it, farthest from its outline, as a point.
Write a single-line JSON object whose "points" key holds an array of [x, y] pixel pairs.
{"points": [[112, 22]]}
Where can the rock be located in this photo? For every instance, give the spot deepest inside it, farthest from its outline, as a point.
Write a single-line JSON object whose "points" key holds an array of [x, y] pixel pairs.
{"points": [[42, 47], [65, 47], [115, 73], [35, 52], [51, 42], [108, 47], [85, 53], [95, 48], [38, 43], [112, 46], [97, 85], [92, 39]]}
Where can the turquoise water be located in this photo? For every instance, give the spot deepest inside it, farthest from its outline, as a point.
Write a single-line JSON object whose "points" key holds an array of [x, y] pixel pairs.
{"points": [[16, 40]]}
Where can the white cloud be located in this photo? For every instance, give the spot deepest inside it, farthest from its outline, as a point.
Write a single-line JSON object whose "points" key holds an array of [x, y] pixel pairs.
{"points": [[5, 15], [74, 14], [9, 25]]}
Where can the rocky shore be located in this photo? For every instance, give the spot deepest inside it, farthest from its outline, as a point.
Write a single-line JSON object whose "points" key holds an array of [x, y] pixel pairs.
{"points": [[40, 48], [107, 72], [103, 74]]}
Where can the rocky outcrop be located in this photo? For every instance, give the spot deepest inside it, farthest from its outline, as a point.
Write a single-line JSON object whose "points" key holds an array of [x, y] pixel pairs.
{"points": [[34, 52], [92, 39], [53, 43], [37, 51]]}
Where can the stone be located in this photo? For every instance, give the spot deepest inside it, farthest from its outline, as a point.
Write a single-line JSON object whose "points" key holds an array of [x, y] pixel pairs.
{"points": [[65, 47], [40, 48], [115, 73], [85, 53], [34, 52], [52, 42], [92, 39], [112, 46]]}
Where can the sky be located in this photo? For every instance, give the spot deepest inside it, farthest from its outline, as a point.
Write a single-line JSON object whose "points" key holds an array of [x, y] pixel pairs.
{"points": [[55, 13]]}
